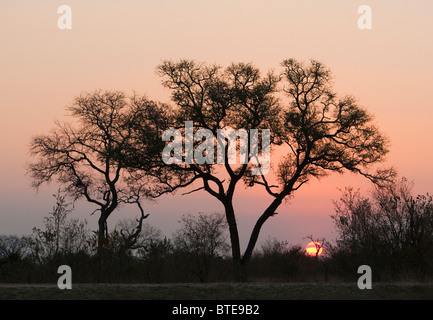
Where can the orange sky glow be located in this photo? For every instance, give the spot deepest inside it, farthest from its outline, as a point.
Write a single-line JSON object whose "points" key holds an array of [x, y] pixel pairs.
{"points": [[118, 44]]}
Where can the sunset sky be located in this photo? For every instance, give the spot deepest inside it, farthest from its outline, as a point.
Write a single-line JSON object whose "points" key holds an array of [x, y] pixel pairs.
{"points": [[117, 44]]}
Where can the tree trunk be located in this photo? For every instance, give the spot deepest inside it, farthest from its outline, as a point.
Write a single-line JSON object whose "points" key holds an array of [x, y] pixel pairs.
{"points": [[240, 263], [102, 230], [270, 211], [102, 224], [239, 273], [103, 234]]}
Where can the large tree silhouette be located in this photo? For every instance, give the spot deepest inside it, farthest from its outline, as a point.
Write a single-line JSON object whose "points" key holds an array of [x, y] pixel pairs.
{"points": [[90, 157], [319, 132]]}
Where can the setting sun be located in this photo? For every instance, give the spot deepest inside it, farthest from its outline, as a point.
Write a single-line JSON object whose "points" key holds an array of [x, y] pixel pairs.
{"points": [[314, 248]]}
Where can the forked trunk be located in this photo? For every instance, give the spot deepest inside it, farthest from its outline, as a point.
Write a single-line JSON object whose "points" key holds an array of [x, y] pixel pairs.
{"points": [[241, 263]]}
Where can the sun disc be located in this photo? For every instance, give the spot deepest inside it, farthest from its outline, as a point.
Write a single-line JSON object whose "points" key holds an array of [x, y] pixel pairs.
{"points": [[314, 248]]}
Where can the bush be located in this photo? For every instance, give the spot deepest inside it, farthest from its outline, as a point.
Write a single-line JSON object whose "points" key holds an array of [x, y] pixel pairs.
{"points": [[392, 232]]}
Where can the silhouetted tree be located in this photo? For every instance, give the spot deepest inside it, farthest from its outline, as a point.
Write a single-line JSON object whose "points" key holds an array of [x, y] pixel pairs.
{"points": [[320, 132], [319, 244], [90, 157], [409, 218], [392, 228], [61, 235], [12, 247], [357, 223], [236, 98]]}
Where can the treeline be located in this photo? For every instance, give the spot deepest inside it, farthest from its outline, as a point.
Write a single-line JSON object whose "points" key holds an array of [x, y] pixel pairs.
{"points": [[198, 251], [391, 231]]}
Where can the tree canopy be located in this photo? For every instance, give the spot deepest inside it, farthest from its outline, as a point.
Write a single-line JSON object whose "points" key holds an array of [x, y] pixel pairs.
{"points": [[94, 156], [319, 131]]}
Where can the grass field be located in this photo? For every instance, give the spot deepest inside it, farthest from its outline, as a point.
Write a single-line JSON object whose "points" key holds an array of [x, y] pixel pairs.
{"points": [[218, 291]]}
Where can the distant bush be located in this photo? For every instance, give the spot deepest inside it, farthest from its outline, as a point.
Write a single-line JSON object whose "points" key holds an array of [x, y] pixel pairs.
{"points": [[61, 235], [392, 232], [278, 261], [202, 241]]}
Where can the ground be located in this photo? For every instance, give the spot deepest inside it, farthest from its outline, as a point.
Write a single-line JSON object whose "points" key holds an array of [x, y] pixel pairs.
{"points": [[219, 291]]}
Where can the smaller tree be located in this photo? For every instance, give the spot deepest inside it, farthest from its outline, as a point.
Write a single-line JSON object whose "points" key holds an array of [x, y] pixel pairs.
{"points": [[12, 247], [61, 235], [203, 238], [319, 244], [393, 228], [408, 219], [355, 221], [91, 157]]}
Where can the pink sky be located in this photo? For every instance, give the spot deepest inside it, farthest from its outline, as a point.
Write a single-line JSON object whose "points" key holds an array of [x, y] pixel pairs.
{"points": [[118, 44]]}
